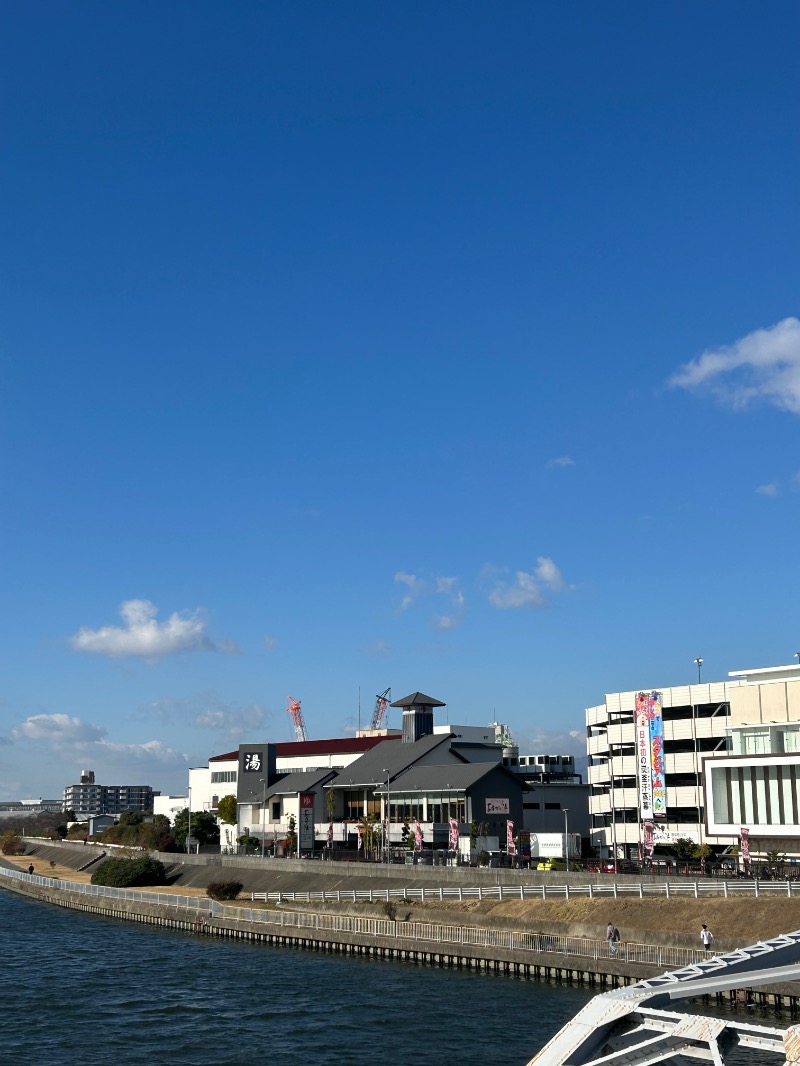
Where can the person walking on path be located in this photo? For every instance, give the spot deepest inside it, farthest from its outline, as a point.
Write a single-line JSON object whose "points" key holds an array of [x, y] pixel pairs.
{"points": [[707, 937], [612, 936]]}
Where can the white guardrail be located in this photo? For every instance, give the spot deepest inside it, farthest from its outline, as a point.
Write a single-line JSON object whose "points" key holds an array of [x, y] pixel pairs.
{"points": [[423, 932], [639, 889]]}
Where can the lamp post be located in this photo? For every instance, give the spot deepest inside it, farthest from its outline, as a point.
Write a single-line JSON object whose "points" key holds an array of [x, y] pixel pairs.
{"points": [[699, 664], [263, 781], [189, 829], [566, 837], [388, 813]]}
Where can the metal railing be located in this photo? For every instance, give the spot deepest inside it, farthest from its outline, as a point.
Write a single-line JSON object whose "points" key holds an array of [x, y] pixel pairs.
{"points": [[419, 931], [614, 889]]}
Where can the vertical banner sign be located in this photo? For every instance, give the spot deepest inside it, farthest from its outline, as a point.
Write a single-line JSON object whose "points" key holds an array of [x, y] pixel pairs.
{"points": [[744, 845], [659, 787], [417, 837], [305, 838], [647, 829], [644, 774], [330, 834], [511, 847], [453, 835], [359, 830]]}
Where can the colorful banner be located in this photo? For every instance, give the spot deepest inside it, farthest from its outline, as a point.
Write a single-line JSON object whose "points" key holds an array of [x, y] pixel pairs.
{"points": [[659, 787], [330, 834], [511, 847], [650, 756], [649, 843], [359, 830], [417, 837], [453, 835], [644, 772], [744, 845]]}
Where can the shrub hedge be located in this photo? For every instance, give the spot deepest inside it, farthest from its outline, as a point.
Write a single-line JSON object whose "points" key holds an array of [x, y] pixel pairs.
{"points": [[130, 873], [221, 890]]}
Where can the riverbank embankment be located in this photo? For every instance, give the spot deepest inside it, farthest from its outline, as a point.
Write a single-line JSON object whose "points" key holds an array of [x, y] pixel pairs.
{"points": [[501, 936]]}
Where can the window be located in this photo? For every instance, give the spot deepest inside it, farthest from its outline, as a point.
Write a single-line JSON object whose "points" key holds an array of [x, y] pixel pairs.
{"points": [[552, 806], [219, 776], [276, 811]]}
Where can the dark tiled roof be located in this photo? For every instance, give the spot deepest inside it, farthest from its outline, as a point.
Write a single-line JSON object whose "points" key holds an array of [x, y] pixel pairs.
{"points": [[395, 758], [457, 776], [418, 699], [291, 784]]}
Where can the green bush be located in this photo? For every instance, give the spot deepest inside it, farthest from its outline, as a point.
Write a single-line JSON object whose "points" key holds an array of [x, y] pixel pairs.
{"points": [[221, 890], [130, 873]]}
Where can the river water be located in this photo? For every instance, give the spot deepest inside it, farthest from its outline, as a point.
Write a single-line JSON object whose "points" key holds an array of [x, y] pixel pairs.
{"points": [[78, 988]]}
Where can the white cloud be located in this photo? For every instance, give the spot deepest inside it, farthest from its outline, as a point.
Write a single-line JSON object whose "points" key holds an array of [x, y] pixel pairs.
{"points": [[269, 642], [767, 490], [562, 460], [528, 590], [64, 733], [58, 729], [207, 711], [143, 636], [380, 648], [764, 365], [416, 587]]}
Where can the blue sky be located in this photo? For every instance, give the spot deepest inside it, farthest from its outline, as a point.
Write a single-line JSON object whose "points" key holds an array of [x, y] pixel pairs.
{"points": [[448, 347]]}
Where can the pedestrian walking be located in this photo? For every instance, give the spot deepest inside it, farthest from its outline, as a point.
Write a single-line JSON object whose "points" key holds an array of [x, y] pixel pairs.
{"points": [[612, 936], [707, 937]]}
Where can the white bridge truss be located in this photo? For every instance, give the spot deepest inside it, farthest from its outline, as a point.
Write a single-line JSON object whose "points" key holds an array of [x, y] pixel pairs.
{"points": [[631, 1027]]}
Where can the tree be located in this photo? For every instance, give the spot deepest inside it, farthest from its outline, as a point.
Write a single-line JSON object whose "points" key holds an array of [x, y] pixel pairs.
{"points": [[291, 835], [203, 824], [684, 849], [330, 803], [11, 844], [227, 810]]}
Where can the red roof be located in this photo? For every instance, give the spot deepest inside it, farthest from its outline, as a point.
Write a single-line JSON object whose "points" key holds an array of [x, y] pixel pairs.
{"points": [[337, 746]]}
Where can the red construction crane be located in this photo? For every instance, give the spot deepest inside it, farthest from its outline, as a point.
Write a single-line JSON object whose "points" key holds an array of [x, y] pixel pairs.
{"points": [[293, 707], [381, 703]]}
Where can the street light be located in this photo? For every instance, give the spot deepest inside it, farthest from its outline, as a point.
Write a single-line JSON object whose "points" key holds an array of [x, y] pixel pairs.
{"points": [[189, 830], [699, 664], [566, 837], [263, 781], [388, 814]]}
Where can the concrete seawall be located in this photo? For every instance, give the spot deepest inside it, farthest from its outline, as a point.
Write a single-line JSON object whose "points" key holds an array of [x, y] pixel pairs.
{"points": [[204, 918]]}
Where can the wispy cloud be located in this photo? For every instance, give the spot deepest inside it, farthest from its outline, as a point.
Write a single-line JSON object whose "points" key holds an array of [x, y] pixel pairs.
{"points": [[762, 366], [207, 711], [529, 589], [767, 490], [142, 635], [562, 460], [431, 586], [74, 737], [269, 643], [415, 585]]}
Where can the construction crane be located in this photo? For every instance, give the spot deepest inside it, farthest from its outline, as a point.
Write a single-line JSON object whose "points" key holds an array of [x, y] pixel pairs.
{"points": [[293, 707], [381, 703]]}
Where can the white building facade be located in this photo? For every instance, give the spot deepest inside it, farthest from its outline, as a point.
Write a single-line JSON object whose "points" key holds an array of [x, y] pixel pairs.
{"points": [[693, 730]]}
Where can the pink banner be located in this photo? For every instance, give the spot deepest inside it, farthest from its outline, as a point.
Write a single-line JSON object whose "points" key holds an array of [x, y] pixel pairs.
{"points": [[744, 845], [453, 835], [359, 828], [647, 835], [330, 835], [511, 847], [417, 837]]}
